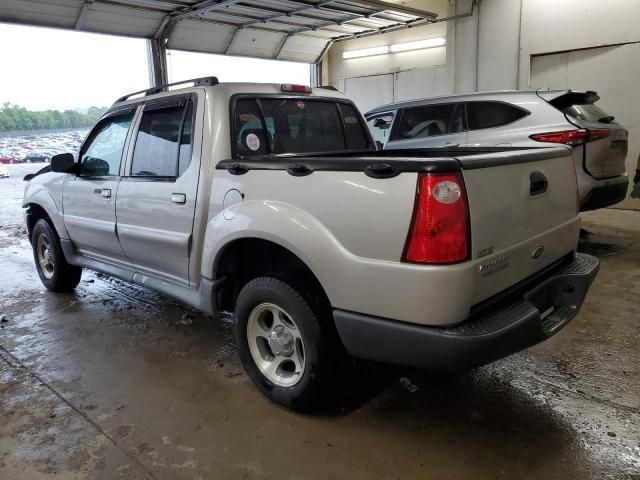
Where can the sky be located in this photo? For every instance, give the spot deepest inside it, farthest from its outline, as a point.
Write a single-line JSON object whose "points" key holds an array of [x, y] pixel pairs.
{"points": [[42, 68]]}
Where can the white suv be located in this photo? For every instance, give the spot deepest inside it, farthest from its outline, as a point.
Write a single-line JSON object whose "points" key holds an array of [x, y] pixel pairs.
{"points": [[517, 119]]}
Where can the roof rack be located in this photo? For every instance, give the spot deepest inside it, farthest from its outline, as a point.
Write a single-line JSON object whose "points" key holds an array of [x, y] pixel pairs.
{"points": [[197, 82]]}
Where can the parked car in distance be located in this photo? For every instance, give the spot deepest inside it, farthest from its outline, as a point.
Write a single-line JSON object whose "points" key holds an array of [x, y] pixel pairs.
{"points": [[6, 158], [35, 157], [271, 201], [4, 172], [517, 119]]}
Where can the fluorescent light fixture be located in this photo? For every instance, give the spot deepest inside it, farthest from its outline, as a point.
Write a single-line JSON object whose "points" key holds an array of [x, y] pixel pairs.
{"points": [[420, 44], [398, 47], [366, 52]]}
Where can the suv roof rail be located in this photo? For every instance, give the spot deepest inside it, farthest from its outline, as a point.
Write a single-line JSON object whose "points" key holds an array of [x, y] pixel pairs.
{"points": [[197, 82]]}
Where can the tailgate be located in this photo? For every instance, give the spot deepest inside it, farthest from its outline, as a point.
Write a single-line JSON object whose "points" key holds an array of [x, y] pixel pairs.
{"points": [[523, 214]]}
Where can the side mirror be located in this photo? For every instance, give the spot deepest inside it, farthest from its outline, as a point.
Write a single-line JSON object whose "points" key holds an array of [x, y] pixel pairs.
{"points": [[95, 166], [63, 163], [379, 145]]}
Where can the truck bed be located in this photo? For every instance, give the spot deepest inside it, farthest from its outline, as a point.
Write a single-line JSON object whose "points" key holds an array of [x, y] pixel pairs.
{"points": [[363, 203]]}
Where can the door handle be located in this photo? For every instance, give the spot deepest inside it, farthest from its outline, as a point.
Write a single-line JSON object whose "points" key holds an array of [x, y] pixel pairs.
{"points": [[179, 198], [538, 183], [105, 192]]}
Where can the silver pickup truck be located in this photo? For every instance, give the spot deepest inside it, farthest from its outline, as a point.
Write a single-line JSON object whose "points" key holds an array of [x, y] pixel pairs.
{"points": [[271, 201]]}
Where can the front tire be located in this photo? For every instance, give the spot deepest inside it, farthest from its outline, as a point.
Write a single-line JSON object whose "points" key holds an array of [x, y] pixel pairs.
{"points": [[54, 271], [287, 348]]}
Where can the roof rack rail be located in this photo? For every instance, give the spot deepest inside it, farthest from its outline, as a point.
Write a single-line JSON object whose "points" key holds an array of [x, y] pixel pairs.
{"points": [[197, 82]]}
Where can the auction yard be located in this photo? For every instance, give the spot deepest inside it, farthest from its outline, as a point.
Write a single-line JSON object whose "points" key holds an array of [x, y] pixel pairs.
{"points": [[115, 381]]}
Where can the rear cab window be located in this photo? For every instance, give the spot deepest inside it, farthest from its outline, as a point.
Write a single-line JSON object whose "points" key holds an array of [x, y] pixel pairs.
{"points": [[278, 125]]}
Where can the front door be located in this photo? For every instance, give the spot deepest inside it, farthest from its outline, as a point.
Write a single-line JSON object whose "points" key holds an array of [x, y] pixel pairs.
{"points": [[89, 199], [156, 199]]}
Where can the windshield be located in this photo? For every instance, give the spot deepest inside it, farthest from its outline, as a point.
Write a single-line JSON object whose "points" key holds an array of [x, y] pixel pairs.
{"points": [[295, 125]]}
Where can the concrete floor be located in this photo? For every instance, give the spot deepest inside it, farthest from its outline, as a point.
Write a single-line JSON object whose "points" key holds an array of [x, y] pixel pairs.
{"points": [[116, 381]]}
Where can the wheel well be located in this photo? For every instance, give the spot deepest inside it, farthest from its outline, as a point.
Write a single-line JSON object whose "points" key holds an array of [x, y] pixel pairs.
{"points": [[34, 213], [249, 258]]}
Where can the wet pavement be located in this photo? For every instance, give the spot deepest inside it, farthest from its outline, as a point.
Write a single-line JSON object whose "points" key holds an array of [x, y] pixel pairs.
{"points": [[116, 381]]}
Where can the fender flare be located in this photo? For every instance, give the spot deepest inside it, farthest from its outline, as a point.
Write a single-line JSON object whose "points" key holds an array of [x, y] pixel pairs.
{"points": [[280, 223], [43, 198]]}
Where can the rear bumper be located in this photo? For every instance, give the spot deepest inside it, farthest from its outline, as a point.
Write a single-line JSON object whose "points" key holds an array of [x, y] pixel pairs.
{"points": [[606, 196], [510, 325]]}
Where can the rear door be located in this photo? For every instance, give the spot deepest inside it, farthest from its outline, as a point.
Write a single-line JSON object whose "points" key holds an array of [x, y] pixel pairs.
{"points": [[157, 196], [89, 198], [426, 126], [605, 151]]}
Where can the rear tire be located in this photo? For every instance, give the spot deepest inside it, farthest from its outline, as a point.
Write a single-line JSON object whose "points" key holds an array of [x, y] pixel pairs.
{"points": [[287, 345], [54, 271]]}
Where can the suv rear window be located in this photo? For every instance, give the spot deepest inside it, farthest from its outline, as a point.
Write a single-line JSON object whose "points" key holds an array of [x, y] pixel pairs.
{"points": [[482, 115], [589, 113], [296, 125]]}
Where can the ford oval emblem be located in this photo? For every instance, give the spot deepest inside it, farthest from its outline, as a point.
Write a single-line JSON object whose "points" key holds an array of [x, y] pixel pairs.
{"points": [[537, 252]]}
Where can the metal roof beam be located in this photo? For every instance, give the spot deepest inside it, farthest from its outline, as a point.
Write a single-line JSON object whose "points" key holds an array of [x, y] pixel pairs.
{"points": [[201, 8], [297, 11], [233, 39], [382, 5], [281, 46], [82, 15], [254, 27], [324, 51], [377, 31]]}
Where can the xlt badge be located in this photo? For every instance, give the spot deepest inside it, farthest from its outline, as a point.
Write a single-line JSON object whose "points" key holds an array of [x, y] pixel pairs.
{"points": [[495, 265]]}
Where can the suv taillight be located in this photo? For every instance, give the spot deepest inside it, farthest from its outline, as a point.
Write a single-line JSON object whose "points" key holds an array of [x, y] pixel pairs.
{"points": [[439, 232], [572, 137]]}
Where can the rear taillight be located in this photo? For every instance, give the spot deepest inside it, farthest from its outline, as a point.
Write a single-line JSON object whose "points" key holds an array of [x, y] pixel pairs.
{"points": [[572, 137], [598, 133], [439, 231]]}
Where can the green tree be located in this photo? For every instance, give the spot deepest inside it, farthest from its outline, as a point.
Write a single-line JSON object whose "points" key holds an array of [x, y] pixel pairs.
{"points": [[13, 117]]}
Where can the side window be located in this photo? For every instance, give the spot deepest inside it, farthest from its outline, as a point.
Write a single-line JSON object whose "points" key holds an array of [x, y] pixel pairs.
{"points": [[430, 120], [250, 134], [492, 114], [380, 127], [102, 153], [163, 146], [356, 136]]}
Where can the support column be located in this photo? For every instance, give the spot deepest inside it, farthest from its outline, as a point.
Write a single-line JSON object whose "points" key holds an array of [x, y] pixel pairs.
{"points": [[157, 62]]}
